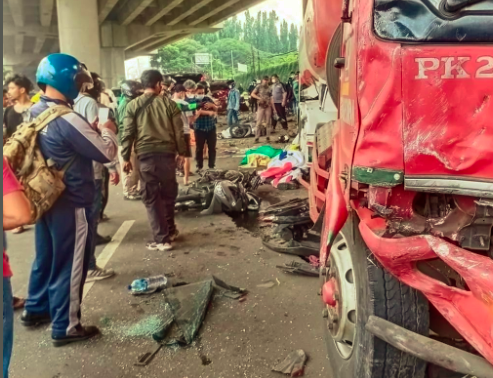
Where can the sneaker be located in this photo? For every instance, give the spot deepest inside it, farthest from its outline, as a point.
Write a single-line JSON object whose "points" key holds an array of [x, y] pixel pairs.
{"points": [[100, 240], [99, 274], [174, 236], [83, 333], [132, 197], [29, 319], [18, 230], [163, 247]]}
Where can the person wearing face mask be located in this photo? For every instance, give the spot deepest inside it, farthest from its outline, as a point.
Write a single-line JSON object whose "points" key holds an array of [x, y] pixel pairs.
{"points": [[205, 128], [154, 124], [279, 101], [188, 118], [263, 93], [233, 104]]}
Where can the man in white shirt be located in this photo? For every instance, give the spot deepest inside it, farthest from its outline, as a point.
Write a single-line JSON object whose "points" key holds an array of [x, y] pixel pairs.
{"points": [[87, 106]]}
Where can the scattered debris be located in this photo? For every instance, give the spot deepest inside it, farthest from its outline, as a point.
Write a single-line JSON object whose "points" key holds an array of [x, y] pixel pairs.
{"points": [[290, 231], [300, 268], [267, 285], [293, 365], [146, 359], [219, 190], [149, 285]]}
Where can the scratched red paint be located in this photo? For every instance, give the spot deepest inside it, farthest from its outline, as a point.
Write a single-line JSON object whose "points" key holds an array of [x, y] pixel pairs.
{"points": [[432, 119]]}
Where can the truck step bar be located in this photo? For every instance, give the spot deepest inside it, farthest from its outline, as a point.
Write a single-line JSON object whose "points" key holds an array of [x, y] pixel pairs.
{"points": [[428, 349]]}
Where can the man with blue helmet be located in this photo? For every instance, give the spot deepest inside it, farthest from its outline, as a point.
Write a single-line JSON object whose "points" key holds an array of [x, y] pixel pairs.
{"points": [[64, 233]]}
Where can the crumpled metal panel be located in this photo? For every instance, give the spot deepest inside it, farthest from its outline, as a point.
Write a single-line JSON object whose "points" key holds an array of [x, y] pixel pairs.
{"points": [[448, 112], [379, 143], [470, 312]]}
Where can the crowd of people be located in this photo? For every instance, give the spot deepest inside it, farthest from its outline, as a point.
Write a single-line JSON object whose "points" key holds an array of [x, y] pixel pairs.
{"points": [[142, 139], [270, 99]]}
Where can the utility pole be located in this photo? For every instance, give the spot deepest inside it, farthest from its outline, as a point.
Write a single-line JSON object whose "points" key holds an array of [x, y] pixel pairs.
{"points": [[232, 64], [212, 67], [253, 63]]}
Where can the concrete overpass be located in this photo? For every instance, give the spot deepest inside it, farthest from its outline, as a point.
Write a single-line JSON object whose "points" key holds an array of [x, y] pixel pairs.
{"points": [[104, 33]]}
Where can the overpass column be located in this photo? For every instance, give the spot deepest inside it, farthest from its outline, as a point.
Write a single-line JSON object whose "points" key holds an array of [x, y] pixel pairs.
{"points": [[113, 43], [78, 27]]}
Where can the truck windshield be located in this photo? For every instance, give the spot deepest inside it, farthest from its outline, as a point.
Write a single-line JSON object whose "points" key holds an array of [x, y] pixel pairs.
{"points": [[434, 20]]}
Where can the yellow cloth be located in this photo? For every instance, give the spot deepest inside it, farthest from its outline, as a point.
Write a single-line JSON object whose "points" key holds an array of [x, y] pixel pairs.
{"points": [[35, 99], [256, 160]]}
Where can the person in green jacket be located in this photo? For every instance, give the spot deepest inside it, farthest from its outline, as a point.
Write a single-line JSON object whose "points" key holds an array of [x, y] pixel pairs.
{"points": [[131, 89], [153, 125]]}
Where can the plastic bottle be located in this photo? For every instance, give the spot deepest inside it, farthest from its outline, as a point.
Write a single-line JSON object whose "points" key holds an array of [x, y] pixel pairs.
{"points": [[148, 285]]}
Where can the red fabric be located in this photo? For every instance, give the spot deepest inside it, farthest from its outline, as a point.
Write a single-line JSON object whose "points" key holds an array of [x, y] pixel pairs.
{"points": [[10, 185]]}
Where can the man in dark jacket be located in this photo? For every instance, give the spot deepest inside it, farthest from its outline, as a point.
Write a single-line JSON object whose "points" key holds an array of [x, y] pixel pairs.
{"points": [[154, 124], [64, 233]]}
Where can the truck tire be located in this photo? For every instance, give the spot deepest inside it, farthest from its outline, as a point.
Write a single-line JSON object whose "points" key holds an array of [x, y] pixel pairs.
{"points": [[374, 292]]}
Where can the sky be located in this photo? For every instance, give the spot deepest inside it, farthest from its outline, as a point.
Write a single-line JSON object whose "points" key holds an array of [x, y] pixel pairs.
{"points": [[288, 9]]}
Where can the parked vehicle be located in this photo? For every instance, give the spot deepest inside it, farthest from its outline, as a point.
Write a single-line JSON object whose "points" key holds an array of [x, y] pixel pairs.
{"points": [[401, 183]]}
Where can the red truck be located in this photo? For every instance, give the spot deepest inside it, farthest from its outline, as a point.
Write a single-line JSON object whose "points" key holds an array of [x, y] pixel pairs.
{"points": [[401, 183]]}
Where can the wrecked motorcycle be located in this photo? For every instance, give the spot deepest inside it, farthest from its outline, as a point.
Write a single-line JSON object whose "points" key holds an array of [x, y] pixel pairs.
{"points": [[401, 183]]}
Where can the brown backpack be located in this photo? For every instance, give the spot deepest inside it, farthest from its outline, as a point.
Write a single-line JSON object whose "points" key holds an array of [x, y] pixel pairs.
{"points": [[43, 184]]}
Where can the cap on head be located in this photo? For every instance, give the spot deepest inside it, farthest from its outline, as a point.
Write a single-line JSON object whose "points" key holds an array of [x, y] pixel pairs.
{"points": [[64, 73]]}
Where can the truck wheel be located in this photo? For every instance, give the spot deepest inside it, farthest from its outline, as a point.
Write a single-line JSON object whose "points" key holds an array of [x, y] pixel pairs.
{"points": [[355, 287]]}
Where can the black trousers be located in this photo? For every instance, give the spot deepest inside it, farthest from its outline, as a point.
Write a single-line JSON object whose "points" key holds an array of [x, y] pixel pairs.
{"points": [[253, 104], [281, 113], [159, 192], [201, 138], [106, 190]]}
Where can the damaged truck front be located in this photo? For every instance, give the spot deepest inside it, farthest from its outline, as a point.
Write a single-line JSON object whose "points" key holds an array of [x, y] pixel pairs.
{"points": [[401, 184]]}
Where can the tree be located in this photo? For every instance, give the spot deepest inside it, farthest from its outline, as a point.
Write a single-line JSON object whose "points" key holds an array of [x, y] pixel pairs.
{"points": [[248, 29], [293, 38], [273, 33], [284, 37], [178, 57]]}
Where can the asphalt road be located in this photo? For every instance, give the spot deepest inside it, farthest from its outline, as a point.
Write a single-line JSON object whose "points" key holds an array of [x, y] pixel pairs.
{"points": [[236, 340]]}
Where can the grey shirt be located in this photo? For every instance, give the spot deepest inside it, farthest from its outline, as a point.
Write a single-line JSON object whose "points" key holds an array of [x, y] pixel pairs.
{"points": [[278, 92], [89, 109]]}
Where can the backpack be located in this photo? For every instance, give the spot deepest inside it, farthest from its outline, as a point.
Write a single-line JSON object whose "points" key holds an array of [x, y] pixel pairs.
{"points": [[42, 183]]}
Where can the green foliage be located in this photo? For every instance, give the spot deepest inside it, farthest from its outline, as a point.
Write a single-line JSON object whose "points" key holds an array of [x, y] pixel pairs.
{"points": [[282, 70], [258, 42], [177, 56]]}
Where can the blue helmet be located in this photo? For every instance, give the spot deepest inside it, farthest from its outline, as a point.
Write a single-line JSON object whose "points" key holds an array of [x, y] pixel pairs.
{"points": [[64, 73]]}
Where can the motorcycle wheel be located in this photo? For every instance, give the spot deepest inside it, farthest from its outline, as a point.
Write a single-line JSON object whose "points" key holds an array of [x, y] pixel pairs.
{"points": [[363, 288], [239, 131]]}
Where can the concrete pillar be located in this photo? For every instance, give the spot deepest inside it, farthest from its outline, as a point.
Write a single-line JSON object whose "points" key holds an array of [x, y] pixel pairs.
{"points": [[113, 66], [78, 27], [113, 44]]}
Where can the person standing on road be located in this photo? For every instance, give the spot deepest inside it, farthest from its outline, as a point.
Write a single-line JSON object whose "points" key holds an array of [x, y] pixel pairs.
{"points": [[131, 89], [64, 233], [19, 87], [16, 212], [205, 128], [154, 123], [188, 117], [86, 104], [279, 98], [233, 104], [263, 93]]}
